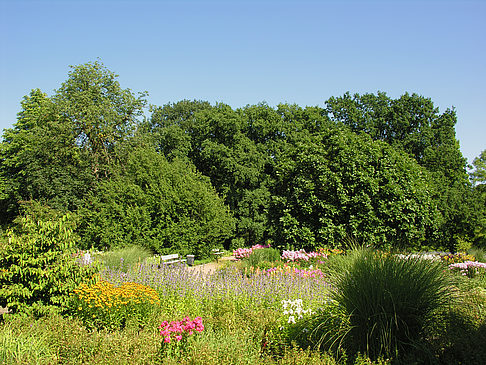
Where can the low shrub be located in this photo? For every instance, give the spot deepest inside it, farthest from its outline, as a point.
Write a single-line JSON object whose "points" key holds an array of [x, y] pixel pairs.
{"points": [[37, 270]]}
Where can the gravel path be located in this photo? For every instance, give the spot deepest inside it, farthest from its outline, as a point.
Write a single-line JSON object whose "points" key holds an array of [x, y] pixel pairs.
{"points": [[211, 267]]}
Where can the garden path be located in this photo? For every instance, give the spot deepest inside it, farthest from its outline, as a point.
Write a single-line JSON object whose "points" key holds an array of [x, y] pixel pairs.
{"points": [[211, 267]]}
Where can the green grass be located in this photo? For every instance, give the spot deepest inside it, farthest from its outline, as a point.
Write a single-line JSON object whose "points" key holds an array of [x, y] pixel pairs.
{"points": [[263, 257], [478, 253], [23, 347], [124, 258]]}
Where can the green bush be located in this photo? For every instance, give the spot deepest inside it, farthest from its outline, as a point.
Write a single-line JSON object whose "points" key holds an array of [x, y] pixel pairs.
{"points": [[337, 185], [164, 206], [390, 302], [37, 269]]}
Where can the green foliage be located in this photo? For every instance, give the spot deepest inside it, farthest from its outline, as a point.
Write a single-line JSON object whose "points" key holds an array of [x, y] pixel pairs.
{"points": [[39, 160], [337, 185], [164, 206], [37, 271], [100, 113], [412, 124], [478, 253], [478, 176], [227, 146], [390, 302], [264, 256], [479, 204], [18, 347], [124, 258]]}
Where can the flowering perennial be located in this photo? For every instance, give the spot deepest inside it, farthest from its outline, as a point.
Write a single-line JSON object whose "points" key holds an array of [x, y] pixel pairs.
{"points": [[242, 253], [104, 305], [106, 295], [291, 256], [303, 273], [180, 329], [294, 308], [468, 268], [458, 257]]}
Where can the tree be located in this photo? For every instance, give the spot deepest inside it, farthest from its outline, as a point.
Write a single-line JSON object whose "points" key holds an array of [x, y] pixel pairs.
{"points": [[39, 160], [478, 176], [100, 112], [338, 185], [164, 206], [216, 140], [412, 124]]}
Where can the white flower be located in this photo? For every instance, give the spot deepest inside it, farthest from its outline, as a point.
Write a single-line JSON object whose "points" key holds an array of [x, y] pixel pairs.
{"points": [[291, 319]]}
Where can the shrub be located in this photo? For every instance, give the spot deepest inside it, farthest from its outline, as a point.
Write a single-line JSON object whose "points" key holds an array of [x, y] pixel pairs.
{"points": [[389, 301], [37, 271]]}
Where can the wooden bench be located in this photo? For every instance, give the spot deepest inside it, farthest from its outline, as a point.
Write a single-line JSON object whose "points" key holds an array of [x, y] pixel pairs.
{"points": [[171, 259], [165, 259], [217, 253]]}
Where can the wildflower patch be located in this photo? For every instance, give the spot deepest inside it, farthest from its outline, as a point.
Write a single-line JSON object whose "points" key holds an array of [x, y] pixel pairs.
{"points": [[104, 305]]}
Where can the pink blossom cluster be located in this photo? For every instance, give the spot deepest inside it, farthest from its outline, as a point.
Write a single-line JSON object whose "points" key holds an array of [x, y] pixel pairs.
{"points": [[242, 253], [303, 273], [180, 328], [309, 273], [468, 268], [300, 255]]}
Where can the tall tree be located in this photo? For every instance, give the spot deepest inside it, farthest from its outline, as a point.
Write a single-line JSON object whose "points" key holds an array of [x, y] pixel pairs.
{"points": [[478, 178], [100, 112], [39, 160], [412, 124], [478, 175], [337, 185]]}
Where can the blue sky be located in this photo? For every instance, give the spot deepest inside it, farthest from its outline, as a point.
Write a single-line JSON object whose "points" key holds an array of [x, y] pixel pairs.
{"points": [[246, 52]]}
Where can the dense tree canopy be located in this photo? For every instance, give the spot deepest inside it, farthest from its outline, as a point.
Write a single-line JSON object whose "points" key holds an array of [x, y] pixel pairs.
{"points": [[192, 175], [338, 186], [39, 160], [161, 205]]}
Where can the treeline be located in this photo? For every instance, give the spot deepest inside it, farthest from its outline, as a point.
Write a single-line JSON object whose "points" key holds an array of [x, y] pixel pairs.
{"points": [[191, 176]]}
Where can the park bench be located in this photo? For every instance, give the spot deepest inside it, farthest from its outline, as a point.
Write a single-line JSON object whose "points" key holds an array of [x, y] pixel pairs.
{"points": [[165, 259], [217, 253], [171, 259]]}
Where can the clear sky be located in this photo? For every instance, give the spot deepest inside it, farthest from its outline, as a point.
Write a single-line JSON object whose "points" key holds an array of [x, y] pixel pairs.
{"points": [[245, 52]]}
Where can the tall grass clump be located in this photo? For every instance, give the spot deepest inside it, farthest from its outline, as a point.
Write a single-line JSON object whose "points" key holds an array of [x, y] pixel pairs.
{"points": [[265, 256], [389, 303], [478, 253], [125, 258]]}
